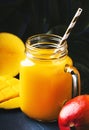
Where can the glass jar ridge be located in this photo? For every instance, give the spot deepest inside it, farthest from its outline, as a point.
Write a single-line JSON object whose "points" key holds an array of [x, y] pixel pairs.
{"points": [[45, 47]]}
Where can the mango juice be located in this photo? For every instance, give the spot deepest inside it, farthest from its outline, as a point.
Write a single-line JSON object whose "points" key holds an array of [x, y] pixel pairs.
{"points": [[44, 88], [45, 85]]}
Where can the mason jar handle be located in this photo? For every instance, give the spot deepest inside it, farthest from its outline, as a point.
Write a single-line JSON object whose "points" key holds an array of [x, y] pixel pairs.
{"points": [[75, 80]]}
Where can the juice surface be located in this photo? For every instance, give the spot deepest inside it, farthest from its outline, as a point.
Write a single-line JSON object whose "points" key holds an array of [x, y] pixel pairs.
{"points": [[45, 87]]}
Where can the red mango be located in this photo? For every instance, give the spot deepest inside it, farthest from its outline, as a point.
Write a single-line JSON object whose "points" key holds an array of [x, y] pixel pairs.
{"points": [[75, 113]]}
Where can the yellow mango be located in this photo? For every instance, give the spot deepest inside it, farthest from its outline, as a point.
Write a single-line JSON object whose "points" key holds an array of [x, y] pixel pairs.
{"points": [[11, 103], [7, 81], [3, 81], [12, 51], [9, 88]]}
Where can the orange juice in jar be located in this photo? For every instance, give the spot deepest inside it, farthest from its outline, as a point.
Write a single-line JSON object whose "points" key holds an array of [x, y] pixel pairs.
{"points": [[47, 76]]}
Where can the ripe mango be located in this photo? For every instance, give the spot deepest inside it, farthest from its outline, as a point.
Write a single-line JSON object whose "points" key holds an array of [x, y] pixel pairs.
{"points": [[9, 89], [12, 51], [11, 103]]}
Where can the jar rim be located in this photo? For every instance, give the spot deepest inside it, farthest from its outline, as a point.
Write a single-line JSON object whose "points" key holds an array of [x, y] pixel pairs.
{"points": [[37, 37], [45, 45], [44, 34]]}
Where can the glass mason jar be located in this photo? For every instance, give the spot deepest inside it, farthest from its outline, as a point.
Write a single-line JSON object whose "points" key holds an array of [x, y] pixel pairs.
{"points": [[47, 76]]}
